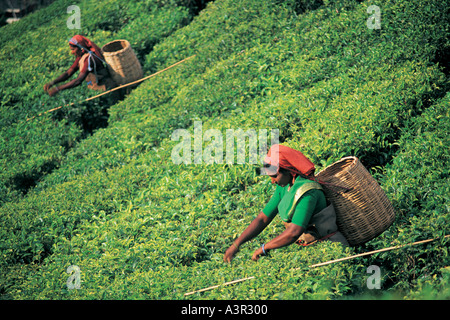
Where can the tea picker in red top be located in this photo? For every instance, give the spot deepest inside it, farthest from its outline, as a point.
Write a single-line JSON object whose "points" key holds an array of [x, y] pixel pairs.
{"points": [[89, 62]]}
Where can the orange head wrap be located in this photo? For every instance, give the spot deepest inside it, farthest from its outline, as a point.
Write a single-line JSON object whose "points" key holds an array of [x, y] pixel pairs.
{"points": [[294, 161]]}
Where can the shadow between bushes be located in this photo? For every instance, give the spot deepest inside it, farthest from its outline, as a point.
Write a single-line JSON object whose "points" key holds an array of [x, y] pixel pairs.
{"points": [[89, 117]]}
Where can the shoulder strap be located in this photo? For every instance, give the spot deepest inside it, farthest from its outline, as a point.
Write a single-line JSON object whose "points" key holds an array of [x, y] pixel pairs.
{"points": [[84, 59], [300, 192]]}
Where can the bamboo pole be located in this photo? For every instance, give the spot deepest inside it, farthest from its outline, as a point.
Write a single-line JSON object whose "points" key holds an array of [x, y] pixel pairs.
{"points": [[220, 285], [139, 80], [115, 88], [372, 252]]}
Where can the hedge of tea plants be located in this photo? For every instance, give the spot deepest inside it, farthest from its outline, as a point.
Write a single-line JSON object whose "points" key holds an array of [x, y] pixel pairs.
{"points": [[139, 226]]}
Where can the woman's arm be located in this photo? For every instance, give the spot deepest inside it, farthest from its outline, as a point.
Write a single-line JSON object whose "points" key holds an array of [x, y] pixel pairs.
{"points": [[71, 84], [256, 226], [63, 77], [287, 237], [302, 215]]}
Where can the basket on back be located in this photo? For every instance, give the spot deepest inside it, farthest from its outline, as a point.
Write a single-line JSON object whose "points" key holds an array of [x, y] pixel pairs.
{"points": [[123, 65], [364, 211]]}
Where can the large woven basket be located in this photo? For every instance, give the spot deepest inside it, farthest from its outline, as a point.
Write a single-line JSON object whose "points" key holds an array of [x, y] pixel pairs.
{"points": [[123, 65], [363, 210]]}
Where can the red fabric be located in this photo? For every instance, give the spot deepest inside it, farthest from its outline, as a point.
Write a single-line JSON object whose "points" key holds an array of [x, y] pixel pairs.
{"points": [[289, 159], [86, 43]]}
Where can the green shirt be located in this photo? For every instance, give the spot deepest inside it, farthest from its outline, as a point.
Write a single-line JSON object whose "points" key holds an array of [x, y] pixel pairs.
{"points": [[282, 202]]}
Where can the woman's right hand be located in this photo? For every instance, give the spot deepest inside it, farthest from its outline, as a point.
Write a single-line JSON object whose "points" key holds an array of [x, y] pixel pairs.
{"points": [[47, 86], [229, 254]]}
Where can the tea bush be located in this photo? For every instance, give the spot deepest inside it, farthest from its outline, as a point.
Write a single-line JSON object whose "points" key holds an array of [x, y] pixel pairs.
{"points": [[417, 182], [140, 226]]}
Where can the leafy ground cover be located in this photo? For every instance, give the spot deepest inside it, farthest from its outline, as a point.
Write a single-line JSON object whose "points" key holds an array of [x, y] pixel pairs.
{"points": [[139, 226]]}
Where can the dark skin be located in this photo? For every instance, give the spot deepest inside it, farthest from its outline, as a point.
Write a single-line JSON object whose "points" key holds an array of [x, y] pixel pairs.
{"points": [[77, 52], [287, 237]]}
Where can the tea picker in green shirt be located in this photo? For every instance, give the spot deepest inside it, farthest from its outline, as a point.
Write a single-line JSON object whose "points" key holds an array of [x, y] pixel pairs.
{"points": [[298, 200]]}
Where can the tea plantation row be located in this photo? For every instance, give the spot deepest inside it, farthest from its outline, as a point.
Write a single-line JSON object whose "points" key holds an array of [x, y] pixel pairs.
{"points": [[140, 226]]}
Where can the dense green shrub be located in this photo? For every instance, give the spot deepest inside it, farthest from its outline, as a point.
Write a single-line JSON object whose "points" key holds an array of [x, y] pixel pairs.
{"points": [[416, 181]]}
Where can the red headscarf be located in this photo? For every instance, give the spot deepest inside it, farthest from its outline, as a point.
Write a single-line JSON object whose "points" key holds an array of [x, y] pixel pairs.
{"points": [[280, 156], [85, 43]]}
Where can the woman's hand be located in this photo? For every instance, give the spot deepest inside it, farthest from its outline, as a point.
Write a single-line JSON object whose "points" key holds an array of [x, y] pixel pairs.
{"points": [[53, 91], [287, 237], [256, 226], [257, 254], [47, 86], [229, 254]]}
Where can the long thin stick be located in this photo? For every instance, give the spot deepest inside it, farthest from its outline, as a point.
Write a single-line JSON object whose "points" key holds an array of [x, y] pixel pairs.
{"points": [[139, 80], [115, 88], [371, 252], [220, 285]]}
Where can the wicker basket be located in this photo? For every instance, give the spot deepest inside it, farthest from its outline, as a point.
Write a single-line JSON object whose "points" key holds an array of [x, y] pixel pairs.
{"points": [[363, 212], [123, 65]]}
